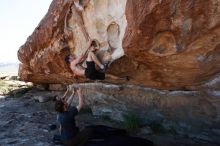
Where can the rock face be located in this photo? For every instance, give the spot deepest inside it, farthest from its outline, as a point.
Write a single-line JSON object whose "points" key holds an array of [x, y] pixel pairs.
{"points": [[192, 113], [167, 44]]}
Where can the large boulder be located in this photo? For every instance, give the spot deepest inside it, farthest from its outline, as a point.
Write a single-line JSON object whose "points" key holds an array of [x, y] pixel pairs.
{"points": [[188, 113], [169, 44]]}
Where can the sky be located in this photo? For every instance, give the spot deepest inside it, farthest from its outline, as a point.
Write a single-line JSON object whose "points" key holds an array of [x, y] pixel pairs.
{"points": [[19, 18]]}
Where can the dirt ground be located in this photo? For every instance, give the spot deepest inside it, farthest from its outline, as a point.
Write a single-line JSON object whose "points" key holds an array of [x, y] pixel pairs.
{"points": [[25, 122]]}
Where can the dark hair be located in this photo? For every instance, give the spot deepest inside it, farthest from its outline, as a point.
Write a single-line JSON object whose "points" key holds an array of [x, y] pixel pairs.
{"points": [[80, 2], [59, 106], [94, 43], [67, 59]]}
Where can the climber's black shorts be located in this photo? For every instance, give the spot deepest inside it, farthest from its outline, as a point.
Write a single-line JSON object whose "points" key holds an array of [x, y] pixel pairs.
{"points": [[92, 73]]}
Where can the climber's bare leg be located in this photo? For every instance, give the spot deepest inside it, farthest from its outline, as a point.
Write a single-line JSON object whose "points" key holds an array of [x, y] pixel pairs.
{"points": [[92, 57], [110, 76]]}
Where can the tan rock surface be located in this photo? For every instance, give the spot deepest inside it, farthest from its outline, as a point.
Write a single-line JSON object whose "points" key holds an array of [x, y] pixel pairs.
{"points": [[158, 43]]}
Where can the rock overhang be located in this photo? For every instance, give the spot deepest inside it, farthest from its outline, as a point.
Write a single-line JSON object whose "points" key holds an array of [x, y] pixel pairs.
{"points": [[158, 44]]}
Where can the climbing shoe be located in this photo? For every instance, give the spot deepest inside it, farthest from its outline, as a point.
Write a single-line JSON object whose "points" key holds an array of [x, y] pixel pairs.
{"points": [[106, 66]]}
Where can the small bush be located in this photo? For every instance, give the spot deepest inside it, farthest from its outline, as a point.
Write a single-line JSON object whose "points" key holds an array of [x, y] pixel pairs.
{"points": [[19, 92], [105, 117], [85, 110], [157, 127], [131, 121], [2, 84]]}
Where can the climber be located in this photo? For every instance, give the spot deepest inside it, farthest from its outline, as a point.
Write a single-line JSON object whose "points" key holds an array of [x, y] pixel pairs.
{"points": [[91, 60], [66, 116], [101, 135], [69, 132]]}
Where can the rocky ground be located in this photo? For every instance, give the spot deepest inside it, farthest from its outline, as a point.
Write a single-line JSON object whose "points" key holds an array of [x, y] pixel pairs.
{"points": [[25, 121]]}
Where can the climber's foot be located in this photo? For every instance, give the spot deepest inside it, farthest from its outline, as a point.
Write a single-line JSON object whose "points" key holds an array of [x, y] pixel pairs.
{"points": [[106, 64]]}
